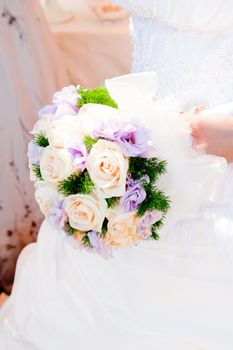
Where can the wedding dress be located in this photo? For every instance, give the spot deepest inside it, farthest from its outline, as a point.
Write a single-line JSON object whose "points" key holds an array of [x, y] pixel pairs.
{"points": [[168, 295]]}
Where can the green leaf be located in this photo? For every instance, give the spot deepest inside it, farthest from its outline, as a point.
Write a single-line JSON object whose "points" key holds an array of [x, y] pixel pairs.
{"points": [[41, 140], [37, 172], [86, 241], [152, 167], [104, 228], [99, 95], [76, 183], [155, 228], [89, 142], [70, 230], [112, 202], [155, 200]]}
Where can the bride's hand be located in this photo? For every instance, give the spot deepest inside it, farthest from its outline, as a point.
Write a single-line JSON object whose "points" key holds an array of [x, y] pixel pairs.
{"points": [[213, 134]]}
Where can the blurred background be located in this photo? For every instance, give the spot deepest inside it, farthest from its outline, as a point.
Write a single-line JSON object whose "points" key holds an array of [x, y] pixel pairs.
{"points": [[45, 45]]}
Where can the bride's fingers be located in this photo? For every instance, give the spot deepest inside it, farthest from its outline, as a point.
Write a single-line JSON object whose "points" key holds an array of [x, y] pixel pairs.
{"points": [[197, 109], [198, 145]]}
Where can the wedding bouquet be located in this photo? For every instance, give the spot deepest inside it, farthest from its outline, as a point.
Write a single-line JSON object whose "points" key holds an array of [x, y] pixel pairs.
{"points": [[95, 171]]}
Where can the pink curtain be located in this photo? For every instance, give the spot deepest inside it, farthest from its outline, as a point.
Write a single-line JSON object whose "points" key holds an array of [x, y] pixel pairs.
{"points": [[30, 71]]}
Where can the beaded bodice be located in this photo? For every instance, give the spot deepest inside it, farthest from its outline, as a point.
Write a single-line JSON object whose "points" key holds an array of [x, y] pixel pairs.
{"points": [[194, 63]]}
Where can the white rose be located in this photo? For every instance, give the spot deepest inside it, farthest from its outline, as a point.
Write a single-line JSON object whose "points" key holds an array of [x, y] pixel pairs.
{"points": [[108, 168], [86, 212], [43, 125], [122, 230], [65, 132], [55, 165], [46, 196]]}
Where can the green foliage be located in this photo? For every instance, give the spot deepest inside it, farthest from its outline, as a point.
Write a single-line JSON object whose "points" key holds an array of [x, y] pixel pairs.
{"points": [[99, 95], [86, 241], [104, 228], [76, 183], [89, 142], [112, 202], [37, 172], [157, 226], [155, 200], [41, 140], [152, 167], [70, 230]]}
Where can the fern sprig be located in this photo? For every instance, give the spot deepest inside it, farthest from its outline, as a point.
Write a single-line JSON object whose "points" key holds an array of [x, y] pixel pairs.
{"points": [[41, 140], [37, 172], [152, 167], [76, 183], [155, 200]]}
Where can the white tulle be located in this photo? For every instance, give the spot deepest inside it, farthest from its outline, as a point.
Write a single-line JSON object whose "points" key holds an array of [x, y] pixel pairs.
{"points": [[172, 294]]}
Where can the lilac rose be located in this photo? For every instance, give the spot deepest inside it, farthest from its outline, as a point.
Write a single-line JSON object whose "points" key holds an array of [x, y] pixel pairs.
{"points": [[79, 156], [64, 103], [98, 245], [34, 153], [133, 139], [56, 214], [135, 194], [66, 100], [108, 130], [48, 110], [144, 223]]}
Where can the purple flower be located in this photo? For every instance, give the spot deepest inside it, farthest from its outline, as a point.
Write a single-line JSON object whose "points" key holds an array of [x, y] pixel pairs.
{"points": [[56, 213], [66, 100], [144, 224], [34, 153], [107, 130], [133, 139], [79, 156], [64, 103], [47, 110], [98, 245], [135, 194]]}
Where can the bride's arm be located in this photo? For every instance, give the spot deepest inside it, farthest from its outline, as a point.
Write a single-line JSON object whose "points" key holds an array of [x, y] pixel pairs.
{"points": [[213, 134]]}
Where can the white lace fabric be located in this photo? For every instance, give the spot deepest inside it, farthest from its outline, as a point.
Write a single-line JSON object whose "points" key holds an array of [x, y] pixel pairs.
{"points": [[186, 44], [208, 15], [193, 67]]}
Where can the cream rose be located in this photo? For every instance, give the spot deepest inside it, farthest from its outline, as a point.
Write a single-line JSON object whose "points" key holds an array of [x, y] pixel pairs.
{"points": [[122, 230], [86, 212], [55, 165], [43, 125], [65, 132], [108, 168], [45, 196]]}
